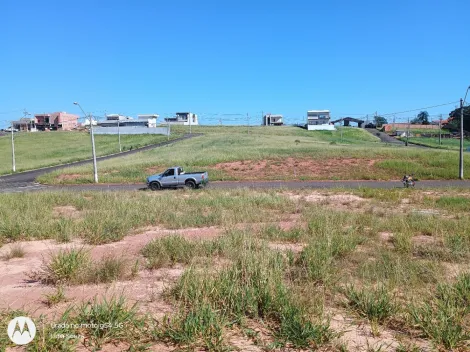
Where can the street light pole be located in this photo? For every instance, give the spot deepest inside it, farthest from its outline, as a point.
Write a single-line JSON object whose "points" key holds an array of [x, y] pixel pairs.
{"points": [[440, 128], [462, 103], [119, 133], [13, 149], [407, 133], [95, 169]]}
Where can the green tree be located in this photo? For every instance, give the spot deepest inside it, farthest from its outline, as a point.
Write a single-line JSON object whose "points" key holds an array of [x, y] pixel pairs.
{"points": [[380, 120], [421, 119], [454, 119]]}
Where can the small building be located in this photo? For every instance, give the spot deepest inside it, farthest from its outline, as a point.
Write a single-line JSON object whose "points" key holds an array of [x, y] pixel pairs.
{"points": [[347, 120], [25, 124], [403, 133], [117, 117], [319, 120], [183, 118], [150, 118], [56, 121], [86, 123], [272, 120]]}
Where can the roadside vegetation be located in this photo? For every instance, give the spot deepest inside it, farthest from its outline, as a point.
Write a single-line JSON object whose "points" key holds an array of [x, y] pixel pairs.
{"points": [[274, 153], [446, 143], [41, 149], [272, 269]]}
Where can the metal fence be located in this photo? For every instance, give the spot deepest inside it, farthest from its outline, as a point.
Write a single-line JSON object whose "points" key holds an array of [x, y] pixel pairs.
{"points": [[130, 130]]}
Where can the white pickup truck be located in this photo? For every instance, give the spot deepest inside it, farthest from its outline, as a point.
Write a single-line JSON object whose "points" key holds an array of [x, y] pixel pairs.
{"points": [[175, 177]]}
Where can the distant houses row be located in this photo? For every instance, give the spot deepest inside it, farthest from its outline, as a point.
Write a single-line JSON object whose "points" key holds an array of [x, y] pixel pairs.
{"points": [[316, 120], [64, 121]]}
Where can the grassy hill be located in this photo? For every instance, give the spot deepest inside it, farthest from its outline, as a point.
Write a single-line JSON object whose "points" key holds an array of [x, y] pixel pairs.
{"points": [[272, 153], [41, 149]]}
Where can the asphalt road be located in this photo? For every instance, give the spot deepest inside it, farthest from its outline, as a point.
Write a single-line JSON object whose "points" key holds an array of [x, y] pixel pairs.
{"points": [[244, 184]]}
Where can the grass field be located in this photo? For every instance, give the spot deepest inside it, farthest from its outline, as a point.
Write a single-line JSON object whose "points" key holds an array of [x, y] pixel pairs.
{"points": [[40, 149], [270, 153], [446, 143], [367, 270]]}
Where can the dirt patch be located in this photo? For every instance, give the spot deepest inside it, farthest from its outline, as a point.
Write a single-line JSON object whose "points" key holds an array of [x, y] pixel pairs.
{"points": [[296, 168], [66, 211], [283, 246], [423, 240], [154, 170], [454, 269], [336, 201], [358, 336], [386, 236], [293, 221], [189, 233], [68, 177]]}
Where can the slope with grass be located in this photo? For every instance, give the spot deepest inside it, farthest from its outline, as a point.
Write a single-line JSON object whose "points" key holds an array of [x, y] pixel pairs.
{"points": [[270, 153], [41, 149]]}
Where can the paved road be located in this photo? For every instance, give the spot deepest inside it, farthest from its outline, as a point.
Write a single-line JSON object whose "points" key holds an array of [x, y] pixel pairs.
{"points": [[246, 184], [23, 179], [385, 138]]}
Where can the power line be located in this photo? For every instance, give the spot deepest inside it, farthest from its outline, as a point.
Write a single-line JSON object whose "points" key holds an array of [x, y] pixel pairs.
{"points": [[427, 107]]}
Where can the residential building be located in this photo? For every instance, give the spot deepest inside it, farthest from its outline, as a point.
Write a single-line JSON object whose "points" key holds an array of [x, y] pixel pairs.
{"points": [[272, 120], [319, 120], [56, 121], [25, 124], [117, 117], [150, 118], [183, 118]]}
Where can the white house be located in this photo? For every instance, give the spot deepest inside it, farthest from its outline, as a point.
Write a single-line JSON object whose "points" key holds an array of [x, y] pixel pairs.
{"points": [[272, 120], [151, 119], [183, 118], [319, 120]]}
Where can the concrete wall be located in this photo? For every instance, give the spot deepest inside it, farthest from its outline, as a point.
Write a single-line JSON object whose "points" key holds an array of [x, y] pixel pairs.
{"points": [[321, 127], [130, 130], [404, 126]]}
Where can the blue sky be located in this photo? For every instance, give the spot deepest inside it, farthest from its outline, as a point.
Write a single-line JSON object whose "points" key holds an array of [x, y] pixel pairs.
{"points": [[233, 57]]}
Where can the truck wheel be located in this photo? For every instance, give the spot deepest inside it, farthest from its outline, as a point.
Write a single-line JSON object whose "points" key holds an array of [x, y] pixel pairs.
{"points": [[191, 184], [155, 186]]}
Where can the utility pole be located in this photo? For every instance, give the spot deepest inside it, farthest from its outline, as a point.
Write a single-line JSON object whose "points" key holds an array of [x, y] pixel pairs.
{"points": [[119, 133], [93, 150], [393, 122], [461, 141], [462, 103], [13, 149], [408, 132], [440, 126], [168, 129], [248, 126], [190, 118], [342, 125], [95, 168]]}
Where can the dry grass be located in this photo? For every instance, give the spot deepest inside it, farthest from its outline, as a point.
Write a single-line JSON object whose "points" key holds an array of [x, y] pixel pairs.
{"points": [[384, 272]]}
